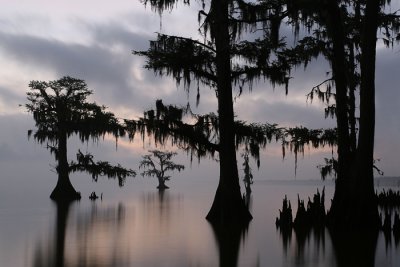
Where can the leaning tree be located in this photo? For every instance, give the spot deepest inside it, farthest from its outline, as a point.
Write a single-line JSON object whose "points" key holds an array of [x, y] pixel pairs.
{"points": [[60, 109], [224, 60]]}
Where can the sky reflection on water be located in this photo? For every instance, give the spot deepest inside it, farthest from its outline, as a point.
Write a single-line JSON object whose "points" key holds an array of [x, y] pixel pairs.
{"points": [[149, 228]]}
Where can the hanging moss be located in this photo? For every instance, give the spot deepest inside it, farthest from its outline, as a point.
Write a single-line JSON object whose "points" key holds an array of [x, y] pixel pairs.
{"points": [[60, 109], [200, 138]]}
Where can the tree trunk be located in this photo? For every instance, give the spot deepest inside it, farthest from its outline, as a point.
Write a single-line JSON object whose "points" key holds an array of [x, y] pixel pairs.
{"points": [[64, 191], [354, 205], [367, 209], [352, 98], [345, 157], [161, 184], [228, 205]]}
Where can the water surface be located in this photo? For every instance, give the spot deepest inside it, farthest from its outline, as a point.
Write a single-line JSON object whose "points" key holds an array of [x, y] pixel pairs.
{"points": [[139, 226]]}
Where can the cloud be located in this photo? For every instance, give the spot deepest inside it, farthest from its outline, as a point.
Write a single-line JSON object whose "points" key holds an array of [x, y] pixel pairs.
{"points": [[107, 72], [9, 100], [105, 62], [14, 141], [99, 51]]}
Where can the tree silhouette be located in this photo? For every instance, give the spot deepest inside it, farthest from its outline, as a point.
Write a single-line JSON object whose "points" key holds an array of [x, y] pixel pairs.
{"points": [[345, 32], [224, 61], [157, 164], [198, 135], [60, 109]]}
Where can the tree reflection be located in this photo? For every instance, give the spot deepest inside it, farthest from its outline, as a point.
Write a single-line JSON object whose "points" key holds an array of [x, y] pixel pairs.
{"points": [[76, 242], [307, 244], [355, 248], [53, 254], [161, 214], [160, 208], [318, 245], [228, 238]]}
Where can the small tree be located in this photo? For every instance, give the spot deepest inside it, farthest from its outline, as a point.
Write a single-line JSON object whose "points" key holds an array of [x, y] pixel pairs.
{"points": [[60, 109], [157, 164]]}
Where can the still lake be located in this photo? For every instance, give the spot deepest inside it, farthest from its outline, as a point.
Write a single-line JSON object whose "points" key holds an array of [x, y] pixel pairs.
{"points": [[138, 226]]}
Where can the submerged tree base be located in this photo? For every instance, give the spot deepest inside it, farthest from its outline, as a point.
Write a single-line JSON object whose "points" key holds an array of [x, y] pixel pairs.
{"points": [[228, 208], [162, 187], [64, 192], [354, 214]]}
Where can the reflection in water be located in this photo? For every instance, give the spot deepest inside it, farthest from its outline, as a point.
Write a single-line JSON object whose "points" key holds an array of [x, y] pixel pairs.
{"points": [[156, 229], [355, 248], [228, 238], [158, 235], [160, 209], [305, 245], [304, 238], [53, 253], [99, 235], [348, 249], [391, 225], [65, 250]]}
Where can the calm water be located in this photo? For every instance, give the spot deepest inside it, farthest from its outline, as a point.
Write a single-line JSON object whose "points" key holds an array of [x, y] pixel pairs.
{"points": [[138, 226]]}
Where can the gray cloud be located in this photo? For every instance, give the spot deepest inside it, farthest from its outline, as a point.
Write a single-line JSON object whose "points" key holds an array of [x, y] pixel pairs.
{"points": [[64, 59], [106, 72], [119, 81], [14, 140], [9, 100]]}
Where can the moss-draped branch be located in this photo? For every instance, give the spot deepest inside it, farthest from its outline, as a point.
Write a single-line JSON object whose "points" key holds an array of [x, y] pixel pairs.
{"points": [[60, 109], [85, 163], [167, 123]]}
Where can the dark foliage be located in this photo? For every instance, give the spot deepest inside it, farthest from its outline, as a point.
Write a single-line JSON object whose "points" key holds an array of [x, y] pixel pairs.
{"points": [[85, 163], [157, 164], [61, 105], [200, 137], [227, 59], [60, 109]]}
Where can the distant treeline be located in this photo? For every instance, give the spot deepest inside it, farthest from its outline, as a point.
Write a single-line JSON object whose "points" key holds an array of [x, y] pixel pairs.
{"points": [[387, 181]]}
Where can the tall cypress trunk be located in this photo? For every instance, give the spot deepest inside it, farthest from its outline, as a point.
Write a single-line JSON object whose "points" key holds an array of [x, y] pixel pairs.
{"points": [[338, 61], [367, 210], [352, 99], [64, 191], [228, 205], [354, 204]]}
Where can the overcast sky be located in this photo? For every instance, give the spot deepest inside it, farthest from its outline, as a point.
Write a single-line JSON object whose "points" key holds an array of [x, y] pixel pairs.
{"points": [[93, 40]]}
